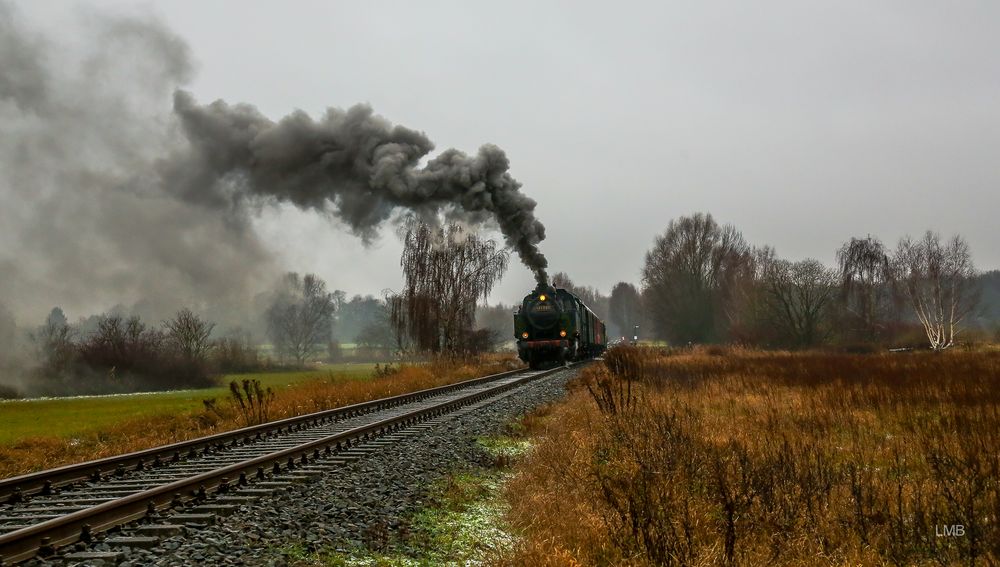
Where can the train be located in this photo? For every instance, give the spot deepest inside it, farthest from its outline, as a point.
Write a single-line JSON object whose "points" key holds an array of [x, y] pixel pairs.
{"points": [[554, 325]]}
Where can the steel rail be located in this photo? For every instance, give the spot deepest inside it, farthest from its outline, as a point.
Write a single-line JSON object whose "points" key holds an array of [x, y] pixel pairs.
{"points": [[81, 525], [42, 482]]}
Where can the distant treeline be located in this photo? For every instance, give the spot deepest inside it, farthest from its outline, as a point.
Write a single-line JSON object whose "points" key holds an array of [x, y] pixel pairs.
{"points": [[124, 354], [703, 283], [120, 351], [300, 322]]}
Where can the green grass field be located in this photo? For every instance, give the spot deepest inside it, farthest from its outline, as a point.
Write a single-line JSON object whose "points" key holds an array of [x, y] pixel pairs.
{"points": [[68, 417]]}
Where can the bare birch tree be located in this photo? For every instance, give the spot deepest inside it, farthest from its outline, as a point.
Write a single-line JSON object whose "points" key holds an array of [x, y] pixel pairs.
{"points": [[936, 279], [446, 270]]}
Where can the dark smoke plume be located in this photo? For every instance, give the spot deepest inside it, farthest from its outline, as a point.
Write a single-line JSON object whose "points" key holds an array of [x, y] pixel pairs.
{"points": [[84, 224], [352, 163], [109, 198]]}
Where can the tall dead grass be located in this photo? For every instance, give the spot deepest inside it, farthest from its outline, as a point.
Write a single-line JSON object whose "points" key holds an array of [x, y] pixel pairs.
{"points": [[39, 453], [738, 457]]}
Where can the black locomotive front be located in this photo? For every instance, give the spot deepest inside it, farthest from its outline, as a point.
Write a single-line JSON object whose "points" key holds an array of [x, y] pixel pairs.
{"points": [[553, 325]]}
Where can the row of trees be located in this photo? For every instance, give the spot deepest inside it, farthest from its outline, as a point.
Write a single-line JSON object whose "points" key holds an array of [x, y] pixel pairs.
{"points": [[122, 354], [303, 319], [300, 317], [118, 351], [703, 283], [447, 272], [936, 279]]}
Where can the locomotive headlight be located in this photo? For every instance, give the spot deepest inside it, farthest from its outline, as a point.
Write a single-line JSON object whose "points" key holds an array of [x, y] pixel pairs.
{"points": [[524, 335], [562, 333], [541, 297]]}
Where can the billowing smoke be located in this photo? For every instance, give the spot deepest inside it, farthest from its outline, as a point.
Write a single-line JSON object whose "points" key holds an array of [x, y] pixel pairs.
{"points": [[112, 197], [84, 224], [352, 163]]}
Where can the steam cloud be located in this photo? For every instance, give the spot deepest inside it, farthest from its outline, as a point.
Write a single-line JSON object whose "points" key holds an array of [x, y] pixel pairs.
{"points": [[105, 203], [355, 164]]}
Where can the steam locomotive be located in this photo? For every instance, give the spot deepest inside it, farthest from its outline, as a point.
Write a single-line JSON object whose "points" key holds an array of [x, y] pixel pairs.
{"points": [[553, 325]]}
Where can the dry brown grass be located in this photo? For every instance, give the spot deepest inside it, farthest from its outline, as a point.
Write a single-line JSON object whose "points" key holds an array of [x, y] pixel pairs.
{"points": [[728, 456], [37, 453]]}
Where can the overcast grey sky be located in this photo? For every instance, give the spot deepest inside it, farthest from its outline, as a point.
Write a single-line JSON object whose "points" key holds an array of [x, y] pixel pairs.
{"points": [[801, 123]]}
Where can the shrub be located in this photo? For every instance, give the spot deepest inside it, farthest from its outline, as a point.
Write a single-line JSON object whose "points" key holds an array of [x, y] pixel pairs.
{"points": [[253, 402]]}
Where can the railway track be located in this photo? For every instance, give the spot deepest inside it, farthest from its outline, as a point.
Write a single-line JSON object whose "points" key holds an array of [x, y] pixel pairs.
{"points": [[193, 481]]}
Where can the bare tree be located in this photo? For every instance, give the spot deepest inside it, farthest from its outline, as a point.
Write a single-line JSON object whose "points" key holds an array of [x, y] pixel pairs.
{"points": [[236, 352], [8, 333], [54, 341], [562, 279], [122, 343], [797, 297], [446, 271], [690, 274], [123, 353], [300, 318], [189, 335], [746, 308], [936, 280], [866, 287], [625, 307]]}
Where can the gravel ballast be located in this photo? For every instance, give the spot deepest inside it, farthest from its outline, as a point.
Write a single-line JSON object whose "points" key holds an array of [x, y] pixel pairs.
{"points": [[363, 504]]}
